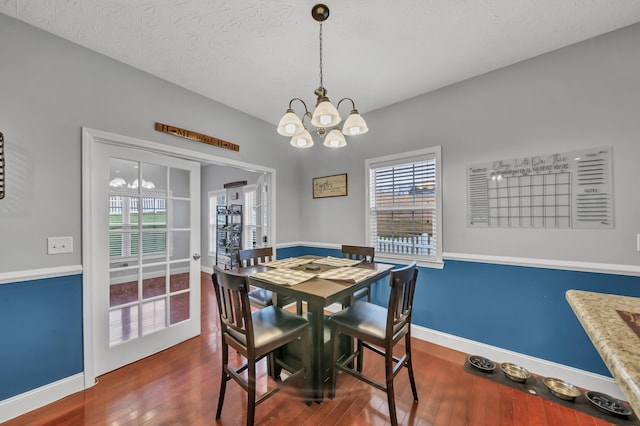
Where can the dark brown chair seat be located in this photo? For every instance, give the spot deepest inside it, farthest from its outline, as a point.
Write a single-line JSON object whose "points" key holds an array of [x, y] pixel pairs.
{"points": [[379, 330], [261, 298], [255, 336], [366, 254]]}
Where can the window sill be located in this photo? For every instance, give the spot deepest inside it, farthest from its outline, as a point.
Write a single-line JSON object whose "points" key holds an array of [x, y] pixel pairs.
{"points": [[405, 260]]}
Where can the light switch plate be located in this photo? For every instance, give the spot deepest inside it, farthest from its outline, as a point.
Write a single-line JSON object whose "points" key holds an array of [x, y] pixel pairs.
{"points": [[59, 245]]}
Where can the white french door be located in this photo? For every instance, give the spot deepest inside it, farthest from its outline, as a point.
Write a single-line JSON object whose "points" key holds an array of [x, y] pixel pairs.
{"points": [[144, 267]]}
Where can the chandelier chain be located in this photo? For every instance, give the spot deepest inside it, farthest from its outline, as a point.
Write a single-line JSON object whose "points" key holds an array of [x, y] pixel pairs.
{"points": [[321, 83], [325, 117]]}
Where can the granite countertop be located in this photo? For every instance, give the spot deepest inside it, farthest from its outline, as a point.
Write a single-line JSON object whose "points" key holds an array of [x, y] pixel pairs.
{"points": [[618, 344]]}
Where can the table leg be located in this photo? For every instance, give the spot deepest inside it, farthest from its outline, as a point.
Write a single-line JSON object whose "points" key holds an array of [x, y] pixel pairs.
{"points": [[273, 370], [317, 352]]}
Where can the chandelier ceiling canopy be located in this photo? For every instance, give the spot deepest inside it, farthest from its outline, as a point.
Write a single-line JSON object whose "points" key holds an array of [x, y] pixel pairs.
{"points": [[325, 117]]}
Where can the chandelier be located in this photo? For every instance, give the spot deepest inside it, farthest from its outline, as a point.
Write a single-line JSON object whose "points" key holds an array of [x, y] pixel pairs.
{"points": [[325, 117]]}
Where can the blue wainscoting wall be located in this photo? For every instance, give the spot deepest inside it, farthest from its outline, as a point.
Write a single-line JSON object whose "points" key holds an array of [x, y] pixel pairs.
{"points": [[40, 332], [517, 308]]}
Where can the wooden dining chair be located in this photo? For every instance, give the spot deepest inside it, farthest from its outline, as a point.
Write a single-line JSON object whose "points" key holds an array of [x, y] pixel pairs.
{"points": [[255, 335], [366, 254], [379, 330], [261, 297]]}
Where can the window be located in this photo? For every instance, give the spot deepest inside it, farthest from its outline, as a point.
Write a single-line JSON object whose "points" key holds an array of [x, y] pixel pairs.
{"points": [[216, 198], [403, 214], [124, 221], [250, 219], [256, 217]]}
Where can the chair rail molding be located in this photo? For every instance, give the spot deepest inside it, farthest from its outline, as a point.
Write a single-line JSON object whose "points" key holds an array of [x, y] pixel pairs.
{"points": [[39, 274], [568, 265]]}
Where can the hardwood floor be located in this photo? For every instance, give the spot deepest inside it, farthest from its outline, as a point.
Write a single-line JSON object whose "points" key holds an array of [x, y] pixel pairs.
{"points": [[179, 386]]}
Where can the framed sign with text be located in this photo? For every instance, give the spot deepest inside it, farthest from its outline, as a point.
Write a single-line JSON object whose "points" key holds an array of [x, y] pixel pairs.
{"points": [[330, 186]]}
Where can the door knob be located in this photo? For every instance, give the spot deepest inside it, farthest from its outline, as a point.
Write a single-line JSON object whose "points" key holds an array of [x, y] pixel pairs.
{"points": [[196, 256]]}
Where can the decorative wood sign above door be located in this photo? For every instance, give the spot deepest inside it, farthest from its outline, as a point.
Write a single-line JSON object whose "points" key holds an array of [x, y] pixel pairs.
{"points": [[198, 137]]}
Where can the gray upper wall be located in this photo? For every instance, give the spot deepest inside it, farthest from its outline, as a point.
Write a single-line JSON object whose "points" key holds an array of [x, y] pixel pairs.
{"points": [[583, 96], [51, 88]]}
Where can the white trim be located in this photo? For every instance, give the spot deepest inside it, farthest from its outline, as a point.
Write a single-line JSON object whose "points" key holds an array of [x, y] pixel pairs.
{"points": [[39, 274], [407, 259], [36, 398], [387, 258], [89, 138], [88, 146], [424, 154], [172, 150], [217, 193], [602, 268], [580, 378], [146, 275]]}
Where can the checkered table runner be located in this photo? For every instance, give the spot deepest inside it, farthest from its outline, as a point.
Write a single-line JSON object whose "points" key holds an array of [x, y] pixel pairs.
{"points": [[348, 274], [284, 276], [290, 262], [336, 261]]}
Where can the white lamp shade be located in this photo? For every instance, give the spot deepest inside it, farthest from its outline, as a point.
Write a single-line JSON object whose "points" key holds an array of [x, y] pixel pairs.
{"points": [[354, 125], [290, 124], [303, 140], [335, 139], [325, 115]]}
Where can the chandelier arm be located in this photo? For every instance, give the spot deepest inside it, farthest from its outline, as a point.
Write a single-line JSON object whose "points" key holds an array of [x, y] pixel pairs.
{"points": [[308, 115], [353, 104], [306, 111]]}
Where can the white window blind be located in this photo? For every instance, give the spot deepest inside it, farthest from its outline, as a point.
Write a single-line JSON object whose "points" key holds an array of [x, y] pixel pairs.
{"points": [[403, 215]]}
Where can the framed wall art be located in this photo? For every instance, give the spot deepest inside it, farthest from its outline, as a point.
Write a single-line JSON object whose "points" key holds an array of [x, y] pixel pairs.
{"points": [[330, 186]]}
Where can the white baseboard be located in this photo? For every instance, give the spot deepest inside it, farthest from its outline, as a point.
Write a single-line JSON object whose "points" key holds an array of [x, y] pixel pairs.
{"points": [[541, 367], [36, 398]]}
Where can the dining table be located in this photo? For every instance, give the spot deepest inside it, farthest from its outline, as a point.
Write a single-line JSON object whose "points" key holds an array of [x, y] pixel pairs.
{"points": [[330, 280]]}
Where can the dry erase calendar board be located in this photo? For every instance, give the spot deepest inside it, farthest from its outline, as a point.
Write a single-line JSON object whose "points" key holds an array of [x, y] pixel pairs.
{"points": [[562, 190]]}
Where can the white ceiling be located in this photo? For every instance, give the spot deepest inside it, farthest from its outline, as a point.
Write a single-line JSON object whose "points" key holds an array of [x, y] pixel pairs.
{"points": [[256, 55]]}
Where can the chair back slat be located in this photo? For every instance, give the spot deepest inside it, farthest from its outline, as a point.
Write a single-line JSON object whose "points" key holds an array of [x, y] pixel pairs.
{"points": [[252, 257], [358, 252], [233, 303], [403, 284]]}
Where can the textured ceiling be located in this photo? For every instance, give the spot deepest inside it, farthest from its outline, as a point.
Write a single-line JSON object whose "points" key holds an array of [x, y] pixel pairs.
{"points": [[256, 55]]}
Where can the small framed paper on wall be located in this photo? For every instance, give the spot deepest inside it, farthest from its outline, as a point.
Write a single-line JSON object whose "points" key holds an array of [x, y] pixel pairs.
{"points": [[330, 186]]}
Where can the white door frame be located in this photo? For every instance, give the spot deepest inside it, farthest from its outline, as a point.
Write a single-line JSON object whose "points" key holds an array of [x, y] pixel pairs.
{"points": [[89, 138]]}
